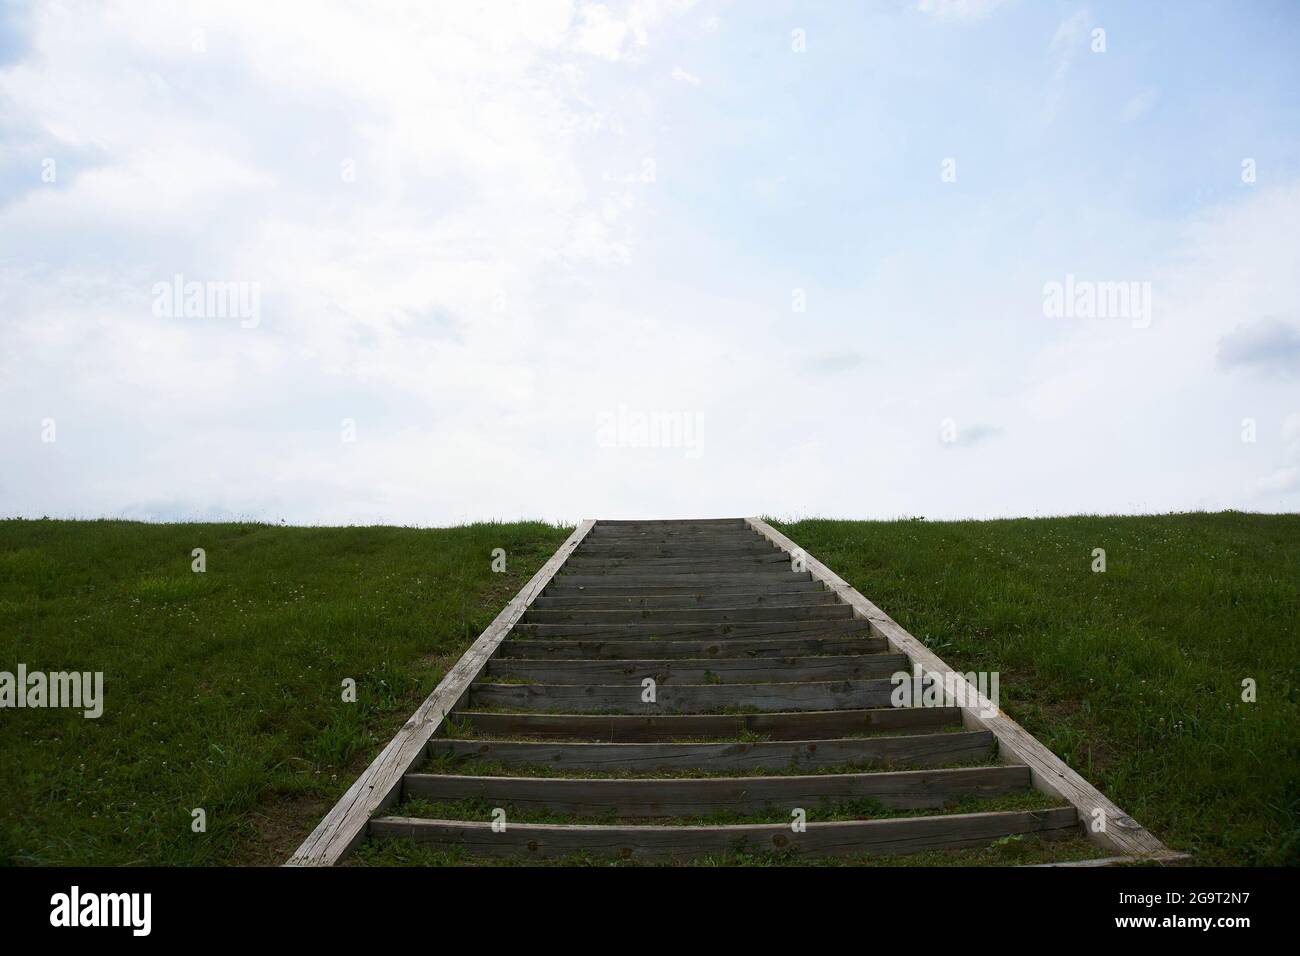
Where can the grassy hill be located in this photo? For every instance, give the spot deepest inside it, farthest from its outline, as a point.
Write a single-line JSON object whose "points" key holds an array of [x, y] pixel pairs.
{"points": [[1133, 676], [223, 689]]}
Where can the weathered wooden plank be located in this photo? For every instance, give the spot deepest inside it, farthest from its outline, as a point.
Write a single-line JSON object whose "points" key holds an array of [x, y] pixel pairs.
{"points": [[651, 528], [642, 544], [753, 545], [687, 588], [712, 615], [759, 570], [704, 561], [631, 728], [683, 698], [660, 523], [635, 568], [696, 582], [379, 785], [727, 670], [586, 601], [1050, 773], [698, 631], [908, 750], [848, 838], [684, 797], [1172, 856], [618, 650], [676, 563], [656, 538]]}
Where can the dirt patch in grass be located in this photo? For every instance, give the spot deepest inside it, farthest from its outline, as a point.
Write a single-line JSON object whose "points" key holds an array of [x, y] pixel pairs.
{"points": [[280, 825]]}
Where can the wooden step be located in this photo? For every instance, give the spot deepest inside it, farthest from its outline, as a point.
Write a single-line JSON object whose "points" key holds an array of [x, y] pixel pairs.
{"points": [[727, 670], [687, 588], [703, 558], [621, 650], [761, 571], [613, 549], [738, 539], [609, 532], [585, 601], [708, 615], [686, 797], [683, 698], [638, 567], [696, 582], [633, 728], [751, 568], [688, 536], [909, 750], [698, 631], [731, 557], [891, 837], [660, 523]]}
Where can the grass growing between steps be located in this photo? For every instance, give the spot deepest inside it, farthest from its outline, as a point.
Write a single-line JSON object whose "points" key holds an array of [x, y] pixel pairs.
{"points": [[222, 690], [1133, 676]]}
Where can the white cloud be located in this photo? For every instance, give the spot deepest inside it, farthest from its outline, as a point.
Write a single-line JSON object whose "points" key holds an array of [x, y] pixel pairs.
{"points": [[1067, 41], [623, 31], [416, 298], [1285, 479], [974, 434], [601, 33], [1140, 104], [1153, 398], [1269, 347], [683, 77], [493, 277]]}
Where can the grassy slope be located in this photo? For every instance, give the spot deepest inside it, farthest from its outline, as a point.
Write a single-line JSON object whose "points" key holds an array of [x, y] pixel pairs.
{"points": [[1133, 676], [222, 690]]}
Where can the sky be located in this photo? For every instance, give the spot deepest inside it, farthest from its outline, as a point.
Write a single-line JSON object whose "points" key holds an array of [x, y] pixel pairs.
{"points": [[446, 262]]}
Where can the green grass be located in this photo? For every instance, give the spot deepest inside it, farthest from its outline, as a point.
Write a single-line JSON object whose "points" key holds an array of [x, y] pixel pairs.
{"points": [[1133, 676], [223, 690]]}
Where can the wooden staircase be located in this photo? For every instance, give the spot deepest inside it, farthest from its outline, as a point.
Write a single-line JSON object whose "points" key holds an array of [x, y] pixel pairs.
{"points": [[677, 690]]}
